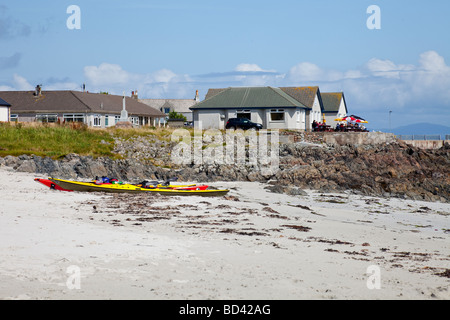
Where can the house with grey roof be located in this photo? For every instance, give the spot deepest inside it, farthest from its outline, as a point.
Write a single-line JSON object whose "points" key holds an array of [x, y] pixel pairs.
{"points": [[275, 108], [334, 107], [310, 97], [94, 109], [166, 106], [4, 110], [272, 107]]}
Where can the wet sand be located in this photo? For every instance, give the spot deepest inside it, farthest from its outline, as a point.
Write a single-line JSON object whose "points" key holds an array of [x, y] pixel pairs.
{"points": [[251, 244]]}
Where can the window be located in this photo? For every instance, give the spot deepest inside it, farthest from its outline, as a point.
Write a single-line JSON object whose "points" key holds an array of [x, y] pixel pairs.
{"points": [[97, 120], [247, 114], [47, 118], [277, 115], [301, 116], [73, 118], [14, 117], [116, 119], [134, 120], [166, 110], [106, 121]]}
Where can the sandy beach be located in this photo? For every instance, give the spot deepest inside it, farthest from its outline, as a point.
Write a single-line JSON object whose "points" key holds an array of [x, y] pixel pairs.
{"points": [[251, 244]]}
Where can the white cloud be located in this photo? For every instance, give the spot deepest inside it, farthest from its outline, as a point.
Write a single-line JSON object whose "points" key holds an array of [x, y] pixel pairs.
{"points": [[250, 67], [20, 83], [306, 71], [114, 79], [387, 68], [432, 61], [243, 67], [107, 75], [310, 72]]}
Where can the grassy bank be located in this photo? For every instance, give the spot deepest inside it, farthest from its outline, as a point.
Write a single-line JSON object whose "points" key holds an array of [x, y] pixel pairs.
{"points": [[56, 140], [53, 141]]}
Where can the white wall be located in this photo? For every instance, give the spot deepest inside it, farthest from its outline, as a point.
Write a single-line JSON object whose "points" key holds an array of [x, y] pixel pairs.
{"points": [[210, 119], [4, 114], [300, 119], [341, 113], [294, 119], [342, 110], [316, 112]]}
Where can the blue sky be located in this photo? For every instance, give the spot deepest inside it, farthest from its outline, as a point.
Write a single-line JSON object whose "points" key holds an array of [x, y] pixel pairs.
{"points": [[169, 49]]}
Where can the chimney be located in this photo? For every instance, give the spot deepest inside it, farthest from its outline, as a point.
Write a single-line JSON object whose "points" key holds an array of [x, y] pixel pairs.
{"points": [[197, 98], [38, 90], [134, 94]]}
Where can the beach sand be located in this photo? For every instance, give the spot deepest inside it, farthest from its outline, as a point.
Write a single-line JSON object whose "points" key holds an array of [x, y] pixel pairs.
{"points": [[251, 244]]}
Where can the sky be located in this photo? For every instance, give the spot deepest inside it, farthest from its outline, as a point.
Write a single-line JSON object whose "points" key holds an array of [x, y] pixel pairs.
{"points": [[171, 48]]}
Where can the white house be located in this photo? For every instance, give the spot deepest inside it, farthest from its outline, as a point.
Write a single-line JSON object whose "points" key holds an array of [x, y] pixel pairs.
{"points": [[275, 108], [4, 110], [181, 106], [334, 107]]}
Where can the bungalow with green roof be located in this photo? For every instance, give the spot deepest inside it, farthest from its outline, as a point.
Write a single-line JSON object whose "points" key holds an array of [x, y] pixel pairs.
{"points": [[271, 107], [334, 107], [275, 108]]}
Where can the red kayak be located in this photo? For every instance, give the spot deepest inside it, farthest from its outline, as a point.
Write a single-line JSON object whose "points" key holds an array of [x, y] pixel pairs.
{"points": [[190, 188], [50, 184]]}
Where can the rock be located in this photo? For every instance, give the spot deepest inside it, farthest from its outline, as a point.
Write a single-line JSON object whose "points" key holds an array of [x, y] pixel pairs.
{"points": [[275, 189], [11, 161], [293, 191], [124, 125], [27, 166], [255, 176]]}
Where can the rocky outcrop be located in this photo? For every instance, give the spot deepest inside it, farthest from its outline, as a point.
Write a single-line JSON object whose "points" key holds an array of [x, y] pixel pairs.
{"points": [[387, 170], [390, 169]]}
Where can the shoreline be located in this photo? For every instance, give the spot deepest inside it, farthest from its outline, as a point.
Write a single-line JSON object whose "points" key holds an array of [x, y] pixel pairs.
{"points": [[251, 244]]}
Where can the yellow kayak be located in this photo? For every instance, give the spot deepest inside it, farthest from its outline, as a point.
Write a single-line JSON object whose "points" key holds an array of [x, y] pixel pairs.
{"points": [[130, 188]]}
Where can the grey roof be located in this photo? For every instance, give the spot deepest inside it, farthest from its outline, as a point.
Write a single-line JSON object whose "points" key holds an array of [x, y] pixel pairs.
{"points": [[212, 92], [305, 95], [248, 97], [332, 101], [178, 105], [3, 103], [75, 102]]}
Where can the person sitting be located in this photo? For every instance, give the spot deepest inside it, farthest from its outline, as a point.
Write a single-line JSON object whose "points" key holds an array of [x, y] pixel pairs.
{"points": [[314, 125]]}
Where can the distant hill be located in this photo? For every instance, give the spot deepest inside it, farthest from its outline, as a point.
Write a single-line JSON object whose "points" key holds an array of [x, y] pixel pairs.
{"points": [[420, 128]]}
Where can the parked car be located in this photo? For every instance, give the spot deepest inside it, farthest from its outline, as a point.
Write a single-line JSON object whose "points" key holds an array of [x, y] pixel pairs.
{"points": [[242, 123]]}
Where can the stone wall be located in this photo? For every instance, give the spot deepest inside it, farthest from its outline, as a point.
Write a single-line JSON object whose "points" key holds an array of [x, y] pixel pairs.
{"points": [[427, 144], [358, 138], [338, 138]]}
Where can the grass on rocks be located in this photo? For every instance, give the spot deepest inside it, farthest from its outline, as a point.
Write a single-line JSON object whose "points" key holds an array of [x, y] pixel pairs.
{"points": [[54, 141]]}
